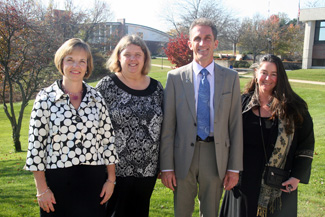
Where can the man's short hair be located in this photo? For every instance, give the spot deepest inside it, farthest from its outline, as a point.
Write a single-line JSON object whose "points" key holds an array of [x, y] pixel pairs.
{"points": [[204, 22]]}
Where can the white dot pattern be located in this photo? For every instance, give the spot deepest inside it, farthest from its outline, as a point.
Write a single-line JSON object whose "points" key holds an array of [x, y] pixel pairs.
{"points": [[61, 136]]}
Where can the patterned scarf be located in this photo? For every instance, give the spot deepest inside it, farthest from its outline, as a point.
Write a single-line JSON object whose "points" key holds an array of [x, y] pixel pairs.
{"points": [[270, 198]]}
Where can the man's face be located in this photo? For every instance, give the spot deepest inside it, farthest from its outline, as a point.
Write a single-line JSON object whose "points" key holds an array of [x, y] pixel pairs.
{"points": [[202, 43]]}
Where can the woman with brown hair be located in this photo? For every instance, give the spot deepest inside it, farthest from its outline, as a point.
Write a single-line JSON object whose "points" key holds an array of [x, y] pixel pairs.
{"points": [[278, 146]]}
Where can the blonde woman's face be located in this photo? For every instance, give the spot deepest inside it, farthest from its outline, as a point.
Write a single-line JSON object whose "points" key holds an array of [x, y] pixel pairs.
{"points": [[74, 65], [132, 59]]}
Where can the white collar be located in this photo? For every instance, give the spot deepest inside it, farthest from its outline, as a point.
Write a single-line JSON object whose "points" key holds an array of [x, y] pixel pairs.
{"points": [[197, 68]]}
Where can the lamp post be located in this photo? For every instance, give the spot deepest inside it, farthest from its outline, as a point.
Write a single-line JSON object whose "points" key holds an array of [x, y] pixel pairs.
{"points": [[162, 55]]}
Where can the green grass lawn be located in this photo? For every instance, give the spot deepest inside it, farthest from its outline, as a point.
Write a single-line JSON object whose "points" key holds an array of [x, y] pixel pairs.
{"points": [[161, 61], [308, 74], [17, 189]]}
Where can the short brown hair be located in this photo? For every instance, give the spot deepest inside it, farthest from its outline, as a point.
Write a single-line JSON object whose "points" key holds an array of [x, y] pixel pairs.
{"points": [[67, 48], [204, 22], [113, 63]]}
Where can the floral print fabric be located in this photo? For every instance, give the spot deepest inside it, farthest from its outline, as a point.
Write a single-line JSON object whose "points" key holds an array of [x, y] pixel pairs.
{"points": [[136, 117]]}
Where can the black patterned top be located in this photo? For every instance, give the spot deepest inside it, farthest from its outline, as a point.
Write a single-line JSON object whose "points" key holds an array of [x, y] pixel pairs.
{"points": [[136, 117], [61, 136]]}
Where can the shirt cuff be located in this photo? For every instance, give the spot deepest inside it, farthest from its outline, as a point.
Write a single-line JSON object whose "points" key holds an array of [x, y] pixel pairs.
{"points": [[167, 170], [234, 171]]}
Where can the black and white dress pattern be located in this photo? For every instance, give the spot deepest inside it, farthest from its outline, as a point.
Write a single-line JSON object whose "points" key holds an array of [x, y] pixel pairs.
{"points": [[136, 117], [61, 136]]}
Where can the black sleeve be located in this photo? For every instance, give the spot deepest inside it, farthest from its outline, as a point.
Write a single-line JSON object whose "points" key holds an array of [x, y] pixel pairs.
{"points": [[303, 155]]}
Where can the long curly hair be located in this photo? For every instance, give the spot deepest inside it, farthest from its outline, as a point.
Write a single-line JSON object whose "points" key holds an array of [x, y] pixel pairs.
{"points": [[286, 104]]}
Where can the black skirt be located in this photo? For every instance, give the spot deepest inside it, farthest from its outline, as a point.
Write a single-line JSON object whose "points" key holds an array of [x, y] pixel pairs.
{"points": [[77, 191]]}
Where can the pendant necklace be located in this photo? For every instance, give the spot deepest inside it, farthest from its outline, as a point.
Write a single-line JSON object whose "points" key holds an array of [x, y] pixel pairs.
{"points": [[73, 96]]}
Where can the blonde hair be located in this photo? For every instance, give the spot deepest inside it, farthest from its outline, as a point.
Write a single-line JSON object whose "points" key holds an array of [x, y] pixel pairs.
{"points": [[113, 63], [67, 48]]}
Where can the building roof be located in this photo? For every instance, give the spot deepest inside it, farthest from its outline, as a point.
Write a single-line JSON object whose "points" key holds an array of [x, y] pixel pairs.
{"points": [[312, 14], [149, 28]]}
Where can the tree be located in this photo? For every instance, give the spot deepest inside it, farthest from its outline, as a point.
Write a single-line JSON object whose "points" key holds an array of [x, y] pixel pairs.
{"points": [[314, 3], [66, 23], [26, 51], [184, 12], [101, 12], [285, 36], [254, 39], [234, 32], [294, 37], [273, 32], [277, 35], [29, 36], [178, 51]]}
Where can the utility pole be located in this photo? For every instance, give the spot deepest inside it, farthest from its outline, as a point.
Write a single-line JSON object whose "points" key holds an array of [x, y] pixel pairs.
{"points": [[298, 12], [268, 9]]}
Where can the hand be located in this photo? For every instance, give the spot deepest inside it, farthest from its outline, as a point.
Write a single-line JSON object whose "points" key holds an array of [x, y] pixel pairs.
{"points": [[107, 191], [159, 175], [291, 185], [231, 180], [169, 179], [46, 200]]}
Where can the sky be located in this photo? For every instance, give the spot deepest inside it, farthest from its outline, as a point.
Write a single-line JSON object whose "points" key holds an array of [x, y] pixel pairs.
{"points": [[135, 12], [151, 12]]}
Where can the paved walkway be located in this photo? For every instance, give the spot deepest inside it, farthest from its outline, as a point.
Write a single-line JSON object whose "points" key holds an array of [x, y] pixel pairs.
{"points": [[242, 74], [169, 67], [291, 80]]}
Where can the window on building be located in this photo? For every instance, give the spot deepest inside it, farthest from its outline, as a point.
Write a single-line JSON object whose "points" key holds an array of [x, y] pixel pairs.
{"points": [[320, 32], [319, 45]]}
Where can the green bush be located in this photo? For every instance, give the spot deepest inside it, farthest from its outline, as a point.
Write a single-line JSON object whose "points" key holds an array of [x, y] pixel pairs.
{"points": [[241, 64], [99, 66]]}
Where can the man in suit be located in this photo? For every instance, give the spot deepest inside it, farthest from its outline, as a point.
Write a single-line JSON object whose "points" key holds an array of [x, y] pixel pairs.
{"points": [[191, 164]]}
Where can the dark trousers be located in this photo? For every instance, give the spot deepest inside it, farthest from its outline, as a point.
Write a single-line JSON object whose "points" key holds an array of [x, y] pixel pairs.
{"points": [[131, 197], [76, 190]]}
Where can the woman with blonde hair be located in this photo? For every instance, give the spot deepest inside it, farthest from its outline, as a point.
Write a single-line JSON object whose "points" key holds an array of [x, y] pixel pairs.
{"points": [[135, 106], [71, 148]]}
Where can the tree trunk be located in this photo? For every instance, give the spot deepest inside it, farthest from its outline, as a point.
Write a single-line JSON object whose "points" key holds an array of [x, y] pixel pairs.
{"points": [[17, 145], [16, 138], [234, 48]]}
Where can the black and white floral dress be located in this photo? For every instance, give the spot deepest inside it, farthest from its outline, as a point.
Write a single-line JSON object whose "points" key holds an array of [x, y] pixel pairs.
{"points": [[136, 116], [61, 136], [72, 147]]}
